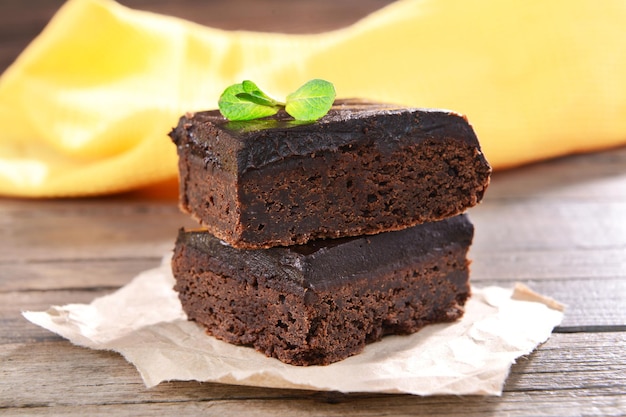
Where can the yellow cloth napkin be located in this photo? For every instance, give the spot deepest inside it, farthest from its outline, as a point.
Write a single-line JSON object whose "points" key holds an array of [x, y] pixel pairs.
{"points": [[87, 106]]}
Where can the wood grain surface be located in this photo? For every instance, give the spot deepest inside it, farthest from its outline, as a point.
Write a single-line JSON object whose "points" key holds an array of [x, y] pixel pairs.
{"points": [[558, 226]]}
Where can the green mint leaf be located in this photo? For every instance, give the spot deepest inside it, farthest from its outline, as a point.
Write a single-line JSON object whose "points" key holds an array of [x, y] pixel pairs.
{"points": [[234, 107], [251, 88], [256, 99], [311, 101], [246, 101]]}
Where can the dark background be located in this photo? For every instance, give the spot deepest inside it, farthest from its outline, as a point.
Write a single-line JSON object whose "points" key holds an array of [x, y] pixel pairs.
{"points": [[22, 20]]}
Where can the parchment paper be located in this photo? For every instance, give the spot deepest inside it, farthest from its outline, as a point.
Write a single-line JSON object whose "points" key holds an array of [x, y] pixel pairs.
{"points": [[145, 323]]}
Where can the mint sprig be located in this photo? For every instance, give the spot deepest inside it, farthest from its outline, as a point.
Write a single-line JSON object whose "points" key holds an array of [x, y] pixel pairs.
{"points": [[246, 101], [235, 104]]}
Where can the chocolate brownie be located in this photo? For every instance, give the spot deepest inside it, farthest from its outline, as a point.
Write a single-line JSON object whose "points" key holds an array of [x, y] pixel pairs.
{"points": [[364, 168], [321, 302]]}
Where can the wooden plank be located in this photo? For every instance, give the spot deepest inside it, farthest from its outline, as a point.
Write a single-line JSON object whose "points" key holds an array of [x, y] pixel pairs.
{"points": [[520, 226], [15, 327], [561, 404], [588, 302], [67, 275], [598, 176], [97, 229], [553, 403], [89, 229], [558, 264], [570, 374]]}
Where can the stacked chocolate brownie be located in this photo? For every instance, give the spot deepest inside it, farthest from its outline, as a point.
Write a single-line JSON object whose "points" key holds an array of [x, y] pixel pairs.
{"points": [[321, 237]]}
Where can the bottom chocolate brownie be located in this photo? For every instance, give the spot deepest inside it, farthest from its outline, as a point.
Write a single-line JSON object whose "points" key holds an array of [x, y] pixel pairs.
{"points": [[321, 302]]}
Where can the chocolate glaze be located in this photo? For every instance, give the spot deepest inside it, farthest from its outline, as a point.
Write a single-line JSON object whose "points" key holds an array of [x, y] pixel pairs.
{"points": [[323, 264], [244, 145]]}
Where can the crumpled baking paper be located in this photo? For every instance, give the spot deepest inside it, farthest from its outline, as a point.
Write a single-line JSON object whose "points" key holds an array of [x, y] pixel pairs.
{"points": [[145, 323]]}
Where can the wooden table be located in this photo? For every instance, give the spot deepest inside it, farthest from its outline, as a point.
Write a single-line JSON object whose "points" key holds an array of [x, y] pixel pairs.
{"points": [[557, 226]]}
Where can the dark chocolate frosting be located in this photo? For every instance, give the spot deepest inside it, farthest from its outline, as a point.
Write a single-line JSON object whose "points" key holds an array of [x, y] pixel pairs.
{"points": [[324, 264], [243, 145]]}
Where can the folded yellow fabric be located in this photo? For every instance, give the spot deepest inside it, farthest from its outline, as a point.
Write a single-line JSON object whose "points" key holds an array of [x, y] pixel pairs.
{"points": [[86, 108]]}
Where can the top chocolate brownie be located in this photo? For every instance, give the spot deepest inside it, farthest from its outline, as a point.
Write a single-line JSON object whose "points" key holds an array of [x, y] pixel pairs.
{"points": [[364, 168]]}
